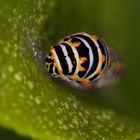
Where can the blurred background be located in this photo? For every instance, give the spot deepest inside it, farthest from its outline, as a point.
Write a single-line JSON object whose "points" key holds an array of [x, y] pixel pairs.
{"points": [[11, 135], [117, 21]]}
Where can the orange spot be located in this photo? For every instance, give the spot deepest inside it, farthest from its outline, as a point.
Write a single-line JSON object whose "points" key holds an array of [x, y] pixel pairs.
{"points": [[82, 69], [103, 58], [52, 51], [70, 40], [83, 59], [94, 37], [74, 77], [76, 44], [99, 69], [85, 82]]}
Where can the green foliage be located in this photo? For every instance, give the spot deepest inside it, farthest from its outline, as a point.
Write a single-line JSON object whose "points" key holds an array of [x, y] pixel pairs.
{"points": [[34, 104]]}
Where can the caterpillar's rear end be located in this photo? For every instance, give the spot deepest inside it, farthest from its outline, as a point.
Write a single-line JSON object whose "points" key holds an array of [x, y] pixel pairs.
{"points": [[114, 70]]}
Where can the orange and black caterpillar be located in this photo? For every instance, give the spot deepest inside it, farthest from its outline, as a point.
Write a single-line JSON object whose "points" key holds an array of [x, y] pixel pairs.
{"points": [[84, 59]]}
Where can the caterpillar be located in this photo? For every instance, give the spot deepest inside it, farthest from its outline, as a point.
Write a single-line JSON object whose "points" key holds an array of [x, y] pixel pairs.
{"points": [[84, 59]]}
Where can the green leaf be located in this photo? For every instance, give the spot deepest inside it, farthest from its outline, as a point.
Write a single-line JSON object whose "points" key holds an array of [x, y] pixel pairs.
{"points": [[34, 104]]}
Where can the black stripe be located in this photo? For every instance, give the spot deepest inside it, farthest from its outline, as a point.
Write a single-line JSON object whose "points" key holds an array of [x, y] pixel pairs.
{"points": [[104, 51], [51, 68], [103, 65], [94, 50], [94, 77], [71, 56], [48, 60], [102, 47], [56, 71], [62, 59], [83, 51]]}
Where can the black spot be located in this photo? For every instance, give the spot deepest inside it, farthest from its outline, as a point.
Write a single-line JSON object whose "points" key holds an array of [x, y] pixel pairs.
{"points": [[66, 39], [50, 54]]}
